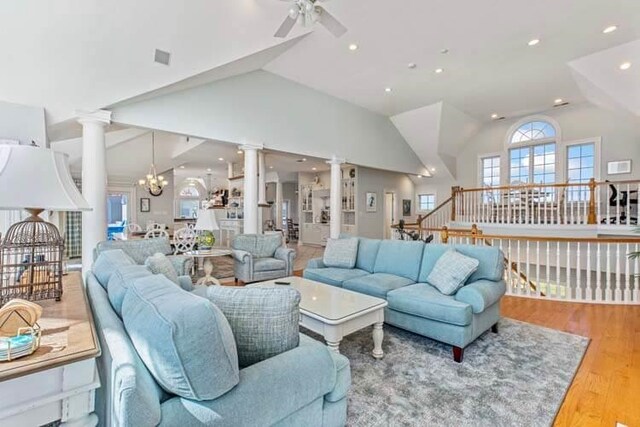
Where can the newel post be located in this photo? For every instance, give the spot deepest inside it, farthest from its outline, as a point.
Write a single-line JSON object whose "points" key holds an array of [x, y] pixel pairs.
{"points": [[591, 218], [454, 196], [444, 235], [419, 221], [474, 233]]}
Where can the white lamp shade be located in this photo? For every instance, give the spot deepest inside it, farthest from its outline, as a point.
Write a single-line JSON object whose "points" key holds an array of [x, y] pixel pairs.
{"points": [[37, 178], [206, 220]]}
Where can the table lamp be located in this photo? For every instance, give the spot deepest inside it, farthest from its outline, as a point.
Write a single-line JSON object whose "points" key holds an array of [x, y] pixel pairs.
{"points": [[206, 224], [34, 179]]}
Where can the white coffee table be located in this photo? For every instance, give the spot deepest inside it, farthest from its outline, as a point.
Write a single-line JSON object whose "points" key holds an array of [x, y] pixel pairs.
{"points": [[335, 312]]}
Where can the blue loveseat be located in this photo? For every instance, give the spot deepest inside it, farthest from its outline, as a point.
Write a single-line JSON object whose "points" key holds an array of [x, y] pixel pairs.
{"points": [[307, 385], [397, 271]]}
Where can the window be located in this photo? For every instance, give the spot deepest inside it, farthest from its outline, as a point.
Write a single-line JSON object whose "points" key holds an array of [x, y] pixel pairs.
{"points": [[533, 164], [533, 131], [190, 192], [427, 202], [189, 202], [580, 169], [491, 171]]}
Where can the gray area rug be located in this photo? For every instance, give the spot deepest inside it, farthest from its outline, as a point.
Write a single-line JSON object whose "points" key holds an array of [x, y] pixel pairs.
{"points": [[517, 377]]}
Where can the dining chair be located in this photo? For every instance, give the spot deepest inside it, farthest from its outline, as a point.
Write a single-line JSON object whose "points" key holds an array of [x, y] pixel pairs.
{"points": [[184, 240], [134, 228], [156, 232]]}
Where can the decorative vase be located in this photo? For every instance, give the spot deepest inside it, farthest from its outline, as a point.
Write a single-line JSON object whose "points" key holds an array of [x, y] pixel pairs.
{"points": [[206, 240]]}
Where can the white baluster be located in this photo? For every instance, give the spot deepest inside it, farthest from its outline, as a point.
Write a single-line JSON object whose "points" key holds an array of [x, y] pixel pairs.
{"points": [[548, 267], [607, 293], [538, 268], [598, 272], [528, 278], [588, 293], [567, 285], [509, 264], [636, 271], [627, 288], [579, 295], [519, 289], [557, 288], [617, 296]]}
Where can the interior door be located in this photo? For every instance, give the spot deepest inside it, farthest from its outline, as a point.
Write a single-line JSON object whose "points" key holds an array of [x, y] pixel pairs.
{"points": [[389, 214]]}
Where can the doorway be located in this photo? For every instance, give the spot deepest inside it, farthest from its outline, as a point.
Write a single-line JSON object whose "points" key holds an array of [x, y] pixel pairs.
{"points": [[389, 213], [119, 211]]}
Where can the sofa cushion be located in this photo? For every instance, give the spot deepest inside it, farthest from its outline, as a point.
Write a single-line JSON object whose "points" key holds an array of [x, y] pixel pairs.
{"points": [[259, 246], [452, 271], [367, 252], [423, 300], [184, 340], [341, 253], [268, 264], [377, 284], [138, 249], [491, 259], [160, 264], [333, 276], [120, 281], [264, 321], [481, 294], [108, 262], [399, 257]]}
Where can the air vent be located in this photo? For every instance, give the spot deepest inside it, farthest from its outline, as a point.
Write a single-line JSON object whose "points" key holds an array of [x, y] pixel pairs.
{"points": [[500, 118], [162, 57], [562, 104]]}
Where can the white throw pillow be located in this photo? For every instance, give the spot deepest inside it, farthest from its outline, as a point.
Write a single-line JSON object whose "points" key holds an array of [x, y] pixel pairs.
{"points": [[452, 271], [341, 253]]}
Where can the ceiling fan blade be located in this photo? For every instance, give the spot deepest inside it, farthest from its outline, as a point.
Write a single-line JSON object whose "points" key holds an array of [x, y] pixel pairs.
{"points": [[330, 22], [286, 27]]}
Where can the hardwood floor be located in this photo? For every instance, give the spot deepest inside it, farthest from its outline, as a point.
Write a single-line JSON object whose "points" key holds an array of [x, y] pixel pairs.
{"points": [[606, 388]]}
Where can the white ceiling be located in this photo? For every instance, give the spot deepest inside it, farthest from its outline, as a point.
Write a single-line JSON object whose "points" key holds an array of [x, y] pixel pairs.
{"points": [[489, 67]]}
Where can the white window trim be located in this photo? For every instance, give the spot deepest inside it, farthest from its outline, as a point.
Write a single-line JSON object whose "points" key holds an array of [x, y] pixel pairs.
{"points": [[597, 161], [536, 118], [503, 166], [435, 201]]}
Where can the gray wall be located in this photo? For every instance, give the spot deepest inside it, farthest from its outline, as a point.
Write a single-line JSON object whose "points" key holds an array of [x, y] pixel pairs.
{"points": [[371, 224], [264, 108], [620, 135], [161, 206], [24, 123]]}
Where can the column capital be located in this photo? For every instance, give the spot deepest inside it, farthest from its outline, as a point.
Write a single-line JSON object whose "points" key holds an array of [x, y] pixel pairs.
{"points": [[98, 116], [336, 161], [251, 146]]}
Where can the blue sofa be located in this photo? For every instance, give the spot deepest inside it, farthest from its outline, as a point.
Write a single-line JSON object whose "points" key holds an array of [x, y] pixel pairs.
{"points": [[306, 385], [397, 271]]}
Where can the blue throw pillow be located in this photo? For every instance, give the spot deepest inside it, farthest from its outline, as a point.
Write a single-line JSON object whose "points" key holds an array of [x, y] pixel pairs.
{"points": [[452, 271], [160, 264], [341, 253], [264, 321], [184, 340], [107, 263], [120, 281]]}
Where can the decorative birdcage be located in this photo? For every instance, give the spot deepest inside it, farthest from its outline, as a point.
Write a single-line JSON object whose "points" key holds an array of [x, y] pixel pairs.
{"points": [[31, 261]]}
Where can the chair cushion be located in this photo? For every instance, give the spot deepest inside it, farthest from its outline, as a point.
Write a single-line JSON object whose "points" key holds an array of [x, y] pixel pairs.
{"points": [[377, 284], [423, 300], [341, 253], [258, 245], [399, 257], [333, 276], [268, 264], [120, 281], [452, 271], [160, 264], [367, 252], [491, 259], [264, 321], [138, 249], [108, 262], [184, 340]]}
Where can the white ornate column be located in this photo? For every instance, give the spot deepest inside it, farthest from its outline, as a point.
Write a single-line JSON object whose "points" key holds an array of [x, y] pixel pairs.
{"points": [[278, 218], [251, 188], [335, 201], [94, 181]]}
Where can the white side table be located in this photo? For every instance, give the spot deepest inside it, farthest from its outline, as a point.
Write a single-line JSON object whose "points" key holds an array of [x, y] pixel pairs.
{"points": [[59, 380], [207, 263]]}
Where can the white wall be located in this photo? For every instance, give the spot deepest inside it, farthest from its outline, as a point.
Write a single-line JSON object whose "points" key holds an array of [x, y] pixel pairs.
{"points": [[371, 224], [620, 141], [283, 115], [289, 192]]}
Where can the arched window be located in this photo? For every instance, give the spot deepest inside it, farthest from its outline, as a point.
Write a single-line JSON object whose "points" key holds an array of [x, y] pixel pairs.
{"points": [[188, 201], [532, 152], [190, 192]]}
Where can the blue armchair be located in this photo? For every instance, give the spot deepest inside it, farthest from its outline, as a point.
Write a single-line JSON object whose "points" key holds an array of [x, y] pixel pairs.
{"points": [[260, 257]]}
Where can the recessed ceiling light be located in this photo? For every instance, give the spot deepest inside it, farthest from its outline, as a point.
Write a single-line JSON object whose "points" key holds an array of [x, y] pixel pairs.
{"points": [[558, 101], [444, 51], [353, 46], [439, 70], [610, 29], [182, 167], [494, 116], [411, 65], [304, 159], [313, 169], [433, 169], [533, 42], [239, 151], [625, 65], [387, 89], [208, 169], [419, 176], [221, 159], [270, 167]]}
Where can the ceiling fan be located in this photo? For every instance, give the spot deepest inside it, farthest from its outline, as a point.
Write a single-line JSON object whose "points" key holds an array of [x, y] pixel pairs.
{"points": [[310, 14]]}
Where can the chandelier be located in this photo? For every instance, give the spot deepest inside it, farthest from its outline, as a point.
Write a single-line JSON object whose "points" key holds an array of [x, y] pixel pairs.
{"points": [[153, 182]]}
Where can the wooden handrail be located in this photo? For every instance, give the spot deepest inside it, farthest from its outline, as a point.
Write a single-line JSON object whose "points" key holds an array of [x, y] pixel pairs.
{"points": [[435, 210], [555, 185], [551, 239]]}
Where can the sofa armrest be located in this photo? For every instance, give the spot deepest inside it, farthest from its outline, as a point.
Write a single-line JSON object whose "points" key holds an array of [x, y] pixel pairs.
{"points": [[315, 263], [185, 283], [268, 391], [481, 294], [182, 264], [241, 256], [288, 256]]}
